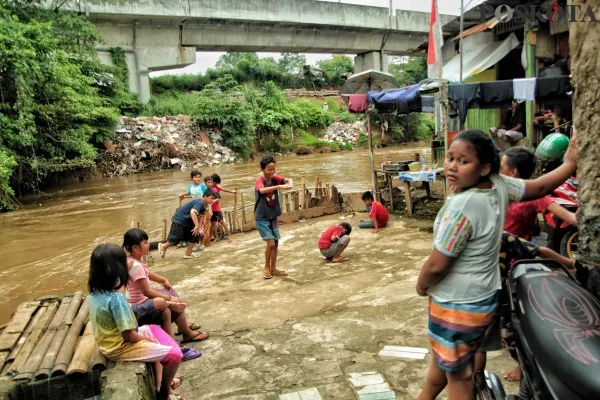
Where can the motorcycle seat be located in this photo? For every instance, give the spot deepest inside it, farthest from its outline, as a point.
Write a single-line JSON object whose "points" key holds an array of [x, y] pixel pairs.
{"points": [[561, 322]]}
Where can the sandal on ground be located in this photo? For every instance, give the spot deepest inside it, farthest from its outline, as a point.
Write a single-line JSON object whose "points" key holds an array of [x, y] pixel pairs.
{"points": [[192, 326], [162, 252], [267, 275], [175, 383], [198, 337], [190, 354], [193, 255], [277, 272], [175, 396]]}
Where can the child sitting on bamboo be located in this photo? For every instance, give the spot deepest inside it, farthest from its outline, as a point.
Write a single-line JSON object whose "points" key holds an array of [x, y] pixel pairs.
{"points": [[116, 332], [148, 302]]}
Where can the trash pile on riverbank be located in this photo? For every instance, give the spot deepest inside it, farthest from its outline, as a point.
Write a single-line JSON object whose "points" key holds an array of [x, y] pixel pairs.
{"points": [[343, 132], [152, 143]]}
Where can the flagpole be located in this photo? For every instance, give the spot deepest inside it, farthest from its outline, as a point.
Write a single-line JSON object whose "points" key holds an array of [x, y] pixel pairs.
{"points": [[460, 44], [443, 92]]}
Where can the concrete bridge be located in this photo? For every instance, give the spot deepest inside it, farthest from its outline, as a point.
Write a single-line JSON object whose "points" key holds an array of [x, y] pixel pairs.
{"points": [[164, 34]]}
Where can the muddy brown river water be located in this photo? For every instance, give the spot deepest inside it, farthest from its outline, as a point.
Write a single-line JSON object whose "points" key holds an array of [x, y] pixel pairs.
{"points": [[45, 245]]}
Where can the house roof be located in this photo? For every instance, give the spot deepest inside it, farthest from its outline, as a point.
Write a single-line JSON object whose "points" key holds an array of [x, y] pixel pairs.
{"points": [[482, 14]]}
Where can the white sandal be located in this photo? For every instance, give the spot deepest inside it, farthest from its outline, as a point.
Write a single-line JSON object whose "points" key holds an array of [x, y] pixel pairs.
{"points": [[162, 252], [194, 255]]}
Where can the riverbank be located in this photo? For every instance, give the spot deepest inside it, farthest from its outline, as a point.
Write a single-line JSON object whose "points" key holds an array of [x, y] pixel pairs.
{"points": [[314, 327], [46, 244]]}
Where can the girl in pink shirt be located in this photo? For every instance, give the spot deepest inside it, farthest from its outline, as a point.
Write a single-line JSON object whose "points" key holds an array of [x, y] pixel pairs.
{"points": [[155, 305]]}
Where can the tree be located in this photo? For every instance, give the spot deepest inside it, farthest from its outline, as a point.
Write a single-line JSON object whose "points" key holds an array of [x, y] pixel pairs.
{"points": [[291, 63], [230, 60], [409, 70], [57, 102], [584, 42], [335, 68]]}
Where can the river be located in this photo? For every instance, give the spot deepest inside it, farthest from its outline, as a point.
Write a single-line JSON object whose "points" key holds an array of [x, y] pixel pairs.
{"points": [[46, 244]]}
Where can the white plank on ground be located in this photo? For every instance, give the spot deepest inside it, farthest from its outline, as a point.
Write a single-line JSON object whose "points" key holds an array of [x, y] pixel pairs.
{"points": [[310, 394], [381, 387], [289, 396], [407, 349], [402, 354], [372, 379]]}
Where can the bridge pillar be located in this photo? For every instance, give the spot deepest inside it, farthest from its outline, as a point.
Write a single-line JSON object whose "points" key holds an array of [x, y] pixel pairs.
{"points": [[372, 60], [147, 48]]}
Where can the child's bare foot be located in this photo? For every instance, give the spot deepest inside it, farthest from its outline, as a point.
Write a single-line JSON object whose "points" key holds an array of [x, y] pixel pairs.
{"points": [[514, 375], [339, 259]]}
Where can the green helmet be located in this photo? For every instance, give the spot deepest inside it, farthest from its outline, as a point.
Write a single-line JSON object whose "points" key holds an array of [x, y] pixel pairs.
{"points": [[553, 147]]}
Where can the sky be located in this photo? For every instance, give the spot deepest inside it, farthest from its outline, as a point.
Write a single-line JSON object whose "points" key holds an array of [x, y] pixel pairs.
{"points": [[205, 60]]}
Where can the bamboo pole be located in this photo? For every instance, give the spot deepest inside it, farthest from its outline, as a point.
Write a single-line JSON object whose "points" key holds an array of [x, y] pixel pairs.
{"points": [[83, 352], [68, 346], [303, 194], [296, 200], [132, 224], [98, 361], [316, 186], [243, 209], [164, 230], [36, 333], [235, 209], [230, 221], [47, 364], [327, 198], [34, 321], [35, 359], [18, 323]]}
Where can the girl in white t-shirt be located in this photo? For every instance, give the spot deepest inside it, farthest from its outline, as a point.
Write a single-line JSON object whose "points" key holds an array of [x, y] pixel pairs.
{"points": [[461, 276]]}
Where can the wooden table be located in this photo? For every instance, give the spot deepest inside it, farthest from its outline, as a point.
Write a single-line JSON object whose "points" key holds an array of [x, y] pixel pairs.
{"points": [[425, 178]]}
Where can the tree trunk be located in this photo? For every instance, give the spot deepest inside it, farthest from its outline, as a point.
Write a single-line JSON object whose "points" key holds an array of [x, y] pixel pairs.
{"points": [[584, 47]]}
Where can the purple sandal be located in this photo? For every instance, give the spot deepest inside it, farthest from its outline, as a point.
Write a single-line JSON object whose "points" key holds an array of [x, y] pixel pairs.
{"points": [[190, 353]]}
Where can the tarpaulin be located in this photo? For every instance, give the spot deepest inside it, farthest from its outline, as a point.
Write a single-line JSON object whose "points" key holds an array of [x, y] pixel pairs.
{"points": [[479, 59], [405, 100]]}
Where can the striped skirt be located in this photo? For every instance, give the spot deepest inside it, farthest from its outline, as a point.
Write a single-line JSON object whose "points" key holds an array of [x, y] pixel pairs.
{"points": [[456, 330]]}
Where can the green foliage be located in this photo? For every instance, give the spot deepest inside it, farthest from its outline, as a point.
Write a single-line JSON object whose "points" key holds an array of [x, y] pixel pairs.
{"points": [[289, 71], [409, 70], [335, 68], [57, 102], [310, 140], [310, 114]]}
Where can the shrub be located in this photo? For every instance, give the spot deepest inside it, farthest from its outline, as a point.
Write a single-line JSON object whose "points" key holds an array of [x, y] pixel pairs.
{"points": [[309, 114]]}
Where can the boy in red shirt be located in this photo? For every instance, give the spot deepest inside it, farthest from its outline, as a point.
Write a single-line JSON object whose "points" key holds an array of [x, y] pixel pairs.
{"points": [[217, 217], [334, 241], [377, 212]]}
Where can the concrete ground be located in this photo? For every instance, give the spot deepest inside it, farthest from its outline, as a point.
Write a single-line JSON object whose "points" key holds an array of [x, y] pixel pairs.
{"points": [[314, 327]]}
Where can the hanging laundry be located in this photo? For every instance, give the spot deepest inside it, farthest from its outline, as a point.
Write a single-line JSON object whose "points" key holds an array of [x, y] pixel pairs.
{"points": [[524, 89], [495, 94], [549, 89], [357, 103], [464, 96]]}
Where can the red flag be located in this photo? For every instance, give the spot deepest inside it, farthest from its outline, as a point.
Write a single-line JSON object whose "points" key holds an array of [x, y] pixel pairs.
{"points": [[436, 41]]}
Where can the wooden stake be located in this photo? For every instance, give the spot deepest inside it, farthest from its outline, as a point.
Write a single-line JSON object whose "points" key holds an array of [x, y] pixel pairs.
{"points": [[243, 209], [68, 346], [409, 199], [316, 186], [235, 210], [303, 194], [327, 192], [132, 224], [164, 230], [296, 200], [138, 225]]}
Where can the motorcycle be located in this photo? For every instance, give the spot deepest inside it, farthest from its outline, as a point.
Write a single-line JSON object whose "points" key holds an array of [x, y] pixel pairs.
{"points": [[562, 236], [556, 326]]}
